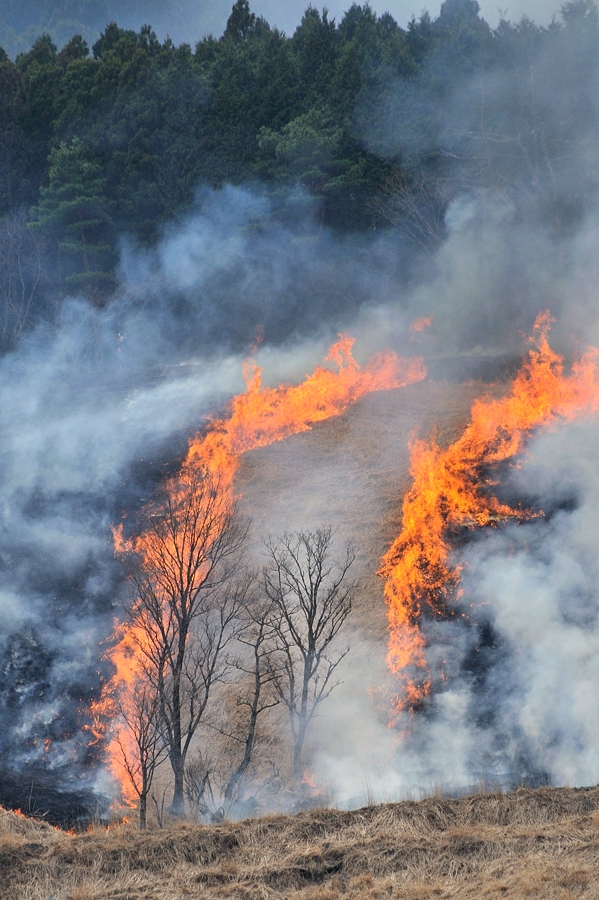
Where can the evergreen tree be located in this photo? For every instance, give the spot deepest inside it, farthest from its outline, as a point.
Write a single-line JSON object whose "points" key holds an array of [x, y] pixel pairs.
{"points": [[241, 22], [315, 48], [75, 211], [345, 109]]}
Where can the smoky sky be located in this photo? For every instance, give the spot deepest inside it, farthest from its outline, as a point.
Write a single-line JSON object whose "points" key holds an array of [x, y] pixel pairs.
{"points": [[190, 20], [211, 17]]}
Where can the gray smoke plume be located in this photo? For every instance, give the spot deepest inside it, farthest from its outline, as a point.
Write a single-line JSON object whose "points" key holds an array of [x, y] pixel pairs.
{"points": [[537, 585], [520, 664], [97, 408]]}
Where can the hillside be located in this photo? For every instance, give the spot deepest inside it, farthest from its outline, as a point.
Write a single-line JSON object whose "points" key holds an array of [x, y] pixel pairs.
{"points": [[539, 843], [352, 472]]}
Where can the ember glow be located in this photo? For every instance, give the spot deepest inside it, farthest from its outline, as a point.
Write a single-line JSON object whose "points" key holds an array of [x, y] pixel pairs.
{"points": [[259, 417], [451, 490]]}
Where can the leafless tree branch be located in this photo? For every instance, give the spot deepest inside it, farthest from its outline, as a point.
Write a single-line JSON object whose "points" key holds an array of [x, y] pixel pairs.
{"points": [[311, 597]]}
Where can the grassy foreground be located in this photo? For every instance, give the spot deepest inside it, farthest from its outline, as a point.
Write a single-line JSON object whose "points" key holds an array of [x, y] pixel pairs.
{"points": [[531, 843]]}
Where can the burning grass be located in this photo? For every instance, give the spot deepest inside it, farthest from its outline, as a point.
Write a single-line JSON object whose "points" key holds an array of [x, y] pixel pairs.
{"points": [[350, 471], [531, 842], [180, 555], [451, 489]]}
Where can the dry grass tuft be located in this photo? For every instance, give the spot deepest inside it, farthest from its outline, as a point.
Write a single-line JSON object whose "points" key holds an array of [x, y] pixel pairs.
{"points": [[538, 844]]}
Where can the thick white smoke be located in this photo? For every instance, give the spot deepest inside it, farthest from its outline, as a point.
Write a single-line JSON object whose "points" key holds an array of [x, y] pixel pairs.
{"points": [[96, 408], [538, 585]]}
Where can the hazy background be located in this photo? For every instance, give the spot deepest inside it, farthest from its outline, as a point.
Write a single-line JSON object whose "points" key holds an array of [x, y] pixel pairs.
{"points": [[190, 20], [287, 15], [211, 17]]}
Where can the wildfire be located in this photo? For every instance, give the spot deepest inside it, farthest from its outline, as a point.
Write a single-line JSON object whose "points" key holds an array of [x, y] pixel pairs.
{"points": [[262, 416], [258, 417], [450, 491]]}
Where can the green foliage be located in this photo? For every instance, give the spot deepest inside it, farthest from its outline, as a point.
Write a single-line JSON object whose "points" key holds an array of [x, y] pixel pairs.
{"points": [[305, 149], [120, 139], [241, 23], [315, 49], [74, 209]]}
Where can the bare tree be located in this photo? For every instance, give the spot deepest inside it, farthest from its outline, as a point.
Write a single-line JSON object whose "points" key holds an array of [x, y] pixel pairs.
{"points": [[198, 786], [416, 204], [187, 597], [22, 253], [261, 671], [141, 744], [311, 595]]}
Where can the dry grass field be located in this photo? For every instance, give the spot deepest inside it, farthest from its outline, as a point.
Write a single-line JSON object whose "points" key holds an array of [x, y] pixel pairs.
{"points": [[352, 472], [531, 843]]}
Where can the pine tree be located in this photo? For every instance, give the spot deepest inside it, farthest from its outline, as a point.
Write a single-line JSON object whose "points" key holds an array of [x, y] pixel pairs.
{"points": [[241, 22], [74, 209]]}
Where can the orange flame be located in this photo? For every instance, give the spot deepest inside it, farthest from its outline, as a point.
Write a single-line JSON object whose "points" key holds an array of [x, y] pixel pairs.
{"points": [[259, 417], [117, 695], [262, 416], [449, 491]]}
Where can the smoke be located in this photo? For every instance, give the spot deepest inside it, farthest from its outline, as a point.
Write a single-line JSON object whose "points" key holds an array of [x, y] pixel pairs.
{"points": [[515, 671], [98, 406], [75, 427], [517, 703], [538, 585], [239, 260]]}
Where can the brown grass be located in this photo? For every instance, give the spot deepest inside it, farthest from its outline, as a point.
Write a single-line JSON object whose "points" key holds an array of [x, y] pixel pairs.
{"points": [[352, 472], [542, 844]]}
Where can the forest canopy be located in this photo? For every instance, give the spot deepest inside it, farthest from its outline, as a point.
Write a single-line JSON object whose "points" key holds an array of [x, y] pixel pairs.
{"points": [[377, 125]]}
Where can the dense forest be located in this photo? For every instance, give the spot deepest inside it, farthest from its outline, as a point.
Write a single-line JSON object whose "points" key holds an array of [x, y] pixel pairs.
{"points": [[368, 124]]}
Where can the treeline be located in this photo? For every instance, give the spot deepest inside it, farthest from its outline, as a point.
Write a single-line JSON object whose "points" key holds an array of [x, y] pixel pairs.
{"points": [[378, 124], [22, 22]]}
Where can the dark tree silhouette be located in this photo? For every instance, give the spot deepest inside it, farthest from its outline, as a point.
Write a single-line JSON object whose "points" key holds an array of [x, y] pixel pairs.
{"points": [[311, 594]]}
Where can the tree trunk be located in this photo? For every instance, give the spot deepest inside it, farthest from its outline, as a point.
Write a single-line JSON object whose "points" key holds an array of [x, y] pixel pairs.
{"points": [[247, 758], [143, 811], [177, 807], [302, 720], [251, 736], [298, 769]]}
